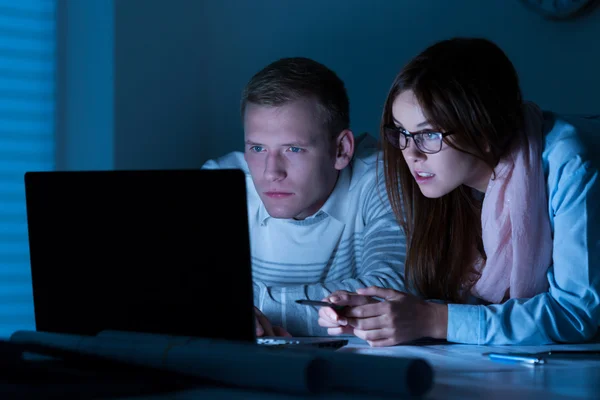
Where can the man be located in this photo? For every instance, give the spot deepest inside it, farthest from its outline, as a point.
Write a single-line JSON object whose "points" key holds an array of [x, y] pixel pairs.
{"points": [[318, 213]]}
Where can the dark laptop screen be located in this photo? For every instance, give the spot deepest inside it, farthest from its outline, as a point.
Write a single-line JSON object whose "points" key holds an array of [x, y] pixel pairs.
{"points": [[149, 251]]}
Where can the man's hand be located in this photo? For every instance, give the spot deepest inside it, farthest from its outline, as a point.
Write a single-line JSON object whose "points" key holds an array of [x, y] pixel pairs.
{"points": [[264, 327]]}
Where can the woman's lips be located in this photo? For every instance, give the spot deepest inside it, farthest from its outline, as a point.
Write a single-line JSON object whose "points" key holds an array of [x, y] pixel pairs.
{"points": [[423, 177]]}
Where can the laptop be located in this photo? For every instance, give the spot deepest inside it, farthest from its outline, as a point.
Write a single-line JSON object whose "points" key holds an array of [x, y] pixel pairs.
{"points": [[156, 251]]}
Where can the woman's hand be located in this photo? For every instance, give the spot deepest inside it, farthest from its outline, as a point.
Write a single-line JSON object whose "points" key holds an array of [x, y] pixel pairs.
{"points": [[334, 321], [401, 317]]}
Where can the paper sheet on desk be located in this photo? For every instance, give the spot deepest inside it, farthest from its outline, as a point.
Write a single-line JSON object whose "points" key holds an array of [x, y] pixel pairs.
{"points": [[462, 357]]}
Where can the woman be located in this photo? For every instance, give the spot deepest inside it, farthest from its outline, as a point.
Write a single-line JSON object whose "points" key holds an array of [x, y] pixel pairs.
{"points": [[500, 203]]}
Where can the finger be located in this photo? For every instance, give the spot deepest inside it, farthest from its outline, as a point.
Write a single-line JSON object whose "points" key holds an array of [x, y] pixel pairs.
{"points": [[327, 323], [330, 314], [367, 311], [368, 324], [379, 292], [336, 293], [350, 299], [383, 342], [264, 323], [327, 314], [259, 329], [279, 331], [373, 335], [340, 330]]}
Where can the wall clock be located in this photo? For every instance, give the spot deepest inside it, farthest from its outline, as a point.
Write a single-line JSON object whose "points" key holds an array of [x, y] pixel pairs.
{"points": [[561, 9]]}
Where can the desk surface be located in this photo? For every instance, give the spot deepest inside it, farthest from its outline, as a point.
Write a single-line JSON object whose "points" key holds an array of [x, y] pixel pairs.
{"points": [[462, 372]]}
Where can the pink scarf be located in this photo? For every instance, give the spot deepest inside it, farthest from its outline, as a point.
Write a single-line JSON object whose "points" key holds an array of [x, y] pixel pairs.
{"points": [[516, 229]]}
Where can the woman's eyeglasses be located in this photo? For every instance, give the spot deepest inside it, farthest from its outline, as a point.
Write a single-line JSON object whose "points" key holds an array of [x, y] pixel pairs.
{"points": [[428, 142]]}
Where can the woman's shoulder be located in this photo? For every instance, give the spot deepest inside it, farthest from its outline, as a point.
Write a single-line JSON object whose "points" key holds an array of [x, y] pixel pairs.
{"points": [[571, 158], [571, 138]]}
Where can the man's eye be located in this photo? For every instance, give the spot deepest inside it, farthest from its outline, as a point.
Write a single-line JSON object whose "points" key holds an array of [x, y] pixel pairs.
{"points": [[296, 149], [256, 149]]}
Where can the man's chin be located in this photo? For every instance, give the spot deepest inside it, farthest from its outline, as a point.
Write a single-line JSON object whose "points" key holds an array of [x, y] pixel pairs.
{"points": [[281, 214]]}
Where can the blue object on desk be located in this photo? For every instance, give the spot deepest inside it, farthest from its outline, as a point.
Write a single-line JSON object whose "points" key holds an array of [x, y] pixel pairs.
{"points": [[527, 358], [543, 356]]}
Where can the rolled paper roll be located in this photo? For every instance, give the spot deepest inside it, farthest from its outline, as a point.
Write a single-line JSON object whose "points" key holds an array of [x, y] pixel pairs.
{"points": [[226, 362], [386, 375], [248, 364]]}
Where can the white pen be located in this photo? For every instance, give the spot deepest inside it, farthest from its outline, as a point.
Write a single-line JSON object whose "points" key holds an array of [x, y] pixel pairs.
{"points": [[516, 357]]}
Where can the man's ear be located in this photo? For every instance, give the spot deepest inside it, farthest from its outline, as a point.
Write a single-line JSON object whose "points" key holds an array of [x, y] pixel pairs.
{"points": [[344, 149]]}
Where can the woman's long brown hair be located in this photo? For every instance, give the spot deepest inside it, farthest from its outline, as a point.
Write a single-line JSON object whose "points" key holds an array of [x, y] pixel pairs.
{"points": [[470, 87]]}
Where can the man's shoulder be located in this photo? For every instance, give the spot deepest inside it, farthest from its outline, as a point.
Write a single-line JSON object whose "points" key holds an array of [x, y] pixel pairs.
{"points": [[368, 160], [234, 159]]}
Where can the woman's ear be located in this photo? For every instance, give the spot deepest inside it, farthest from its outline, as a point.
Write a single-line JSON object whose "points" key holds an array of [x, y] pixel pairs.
{"points": [[487, 148], [344, 149]]}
